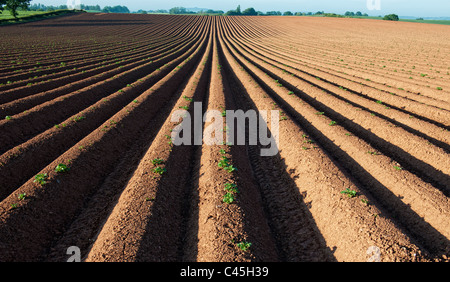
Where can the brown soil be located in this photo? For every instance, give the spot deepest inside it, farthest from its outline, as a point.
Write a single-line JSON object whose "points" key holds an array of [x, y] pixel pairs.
{"points": [[355, 114]]}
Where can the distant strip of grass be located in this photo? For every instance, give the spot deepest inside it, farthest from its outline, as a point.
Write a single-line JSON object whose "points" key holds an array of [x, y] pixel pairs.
{"points": [[444, 22], [28, 16], [427, 21]]}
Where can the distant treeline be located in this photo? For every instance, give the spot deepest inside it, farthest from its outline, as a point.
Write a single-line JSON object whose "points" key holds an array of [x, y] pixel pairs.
{"points": [[182, 10], [196, 11], [253, 12], [34, 17], [106, 9]]}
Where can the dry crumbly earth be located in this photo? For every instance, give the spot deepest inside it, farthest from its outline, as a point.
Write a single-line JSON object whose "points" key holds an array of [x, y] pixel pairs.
{"points": [[362, 171]]}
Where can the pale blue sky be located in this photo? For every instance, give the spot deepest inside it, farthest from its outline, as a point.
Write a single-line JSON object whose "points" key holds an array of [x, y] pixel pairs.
{"points": [[422, 8]]}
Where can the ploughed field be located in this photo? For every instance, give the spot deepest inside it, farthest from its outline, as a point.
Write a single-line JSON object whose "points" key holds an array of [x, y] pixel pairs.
{"points": [[87, 157]]}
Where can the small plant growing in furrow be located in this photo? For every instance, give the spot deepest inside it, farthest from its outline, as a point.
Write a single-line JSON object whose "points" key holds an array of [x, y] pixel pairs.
{"points": [[41, 178], [157, 161], [229, 198], [62, 168], [244, 246], [159, 170], [349, 193], [231, 187], [22, 196]]}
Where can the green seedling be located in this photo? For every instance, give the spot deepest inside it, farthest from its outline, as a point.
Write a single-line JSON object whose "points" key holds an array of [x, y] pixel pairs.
{"points": [[41, 178], [159, 170], [244, 246], [332, 123], [184, 107], [228, 198], [231, 187], [13, 206], [397, 167], [187, 98], [78, 119], [320, 113], [8, 118], [230, 168], [223, 162], [22, 196], [439, 88], [349, 193], [157, 161], [62, 168]]}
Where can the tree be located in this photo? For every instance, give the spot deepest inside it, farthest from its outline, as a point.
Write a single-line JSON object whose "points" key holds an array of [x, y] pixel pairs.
{"points": [[273, 13], [177, 10], [13, 5], [231, 13], [349, 14], [391, 17], [249, 12], [359, 14], [288, 13], [236, 12], [115, 9]]}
